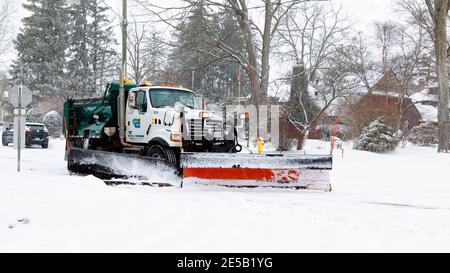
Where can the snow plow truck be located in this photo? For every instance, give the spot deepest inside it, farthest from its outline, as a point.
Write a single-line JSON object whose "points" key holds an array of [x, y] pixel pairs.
{"points": [[137, 127]]}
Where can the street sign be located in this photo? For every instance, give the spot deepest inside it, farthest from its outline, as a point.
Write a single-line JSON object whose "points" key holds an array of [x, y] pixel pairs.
{"points": [[14, 94], [19, 128], [19, 96]]}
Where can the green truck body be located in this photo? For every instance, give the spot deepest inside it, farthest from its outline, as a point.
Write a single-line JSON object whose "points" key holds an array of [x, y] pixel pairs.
{"points": [[87, 118]]}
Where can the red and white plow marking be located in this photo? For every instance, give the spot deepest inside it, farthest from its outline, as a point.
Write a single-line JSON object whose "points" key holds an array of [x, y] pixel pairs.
{"points": [[286, 175]]}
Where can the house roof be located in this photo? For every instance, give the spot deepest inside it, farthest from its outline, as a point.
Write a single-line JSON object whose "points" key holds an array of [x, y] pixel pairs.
{"points": [[423, 95], [428, 112], [387, 82]]}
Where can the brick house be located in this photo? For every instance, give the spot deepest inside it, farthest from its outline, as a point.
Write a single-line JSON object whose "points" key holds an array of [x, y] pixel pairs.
{"points": [[383, 100], [371, 106]]}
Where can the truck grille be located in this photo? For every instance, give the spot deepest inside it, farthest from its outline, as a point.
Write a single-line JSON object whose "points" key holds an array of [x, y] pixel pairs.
{"points": [[196, 131], [196, 128]]}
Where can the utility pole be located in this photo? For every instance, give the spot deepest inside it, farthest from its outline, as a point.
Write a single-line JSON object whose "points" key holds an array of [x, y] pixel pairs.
{"points": [[123, 71], [19, 133], [124, 36]]}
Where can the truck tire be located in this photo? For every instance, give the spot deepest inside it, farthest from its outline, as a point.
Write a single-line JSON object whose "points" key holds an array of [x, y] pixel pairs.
{"points": [[171, 156], [4, 142], [158, 151]]}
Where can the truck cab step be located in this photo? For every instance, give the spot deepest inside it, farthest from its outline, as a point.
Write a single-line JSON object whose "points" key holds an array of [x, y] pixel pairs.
{"points": [[134, 150]]}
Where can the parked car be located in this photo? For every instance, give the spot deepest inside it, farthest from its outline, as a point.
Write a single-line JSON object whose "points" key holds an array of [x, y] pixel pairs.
{"points": [[35, 134], [7, 135]]}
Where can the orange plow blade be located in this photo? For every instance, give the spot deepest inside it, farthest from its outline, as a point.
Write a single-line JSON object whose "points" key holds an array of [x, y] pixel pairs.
{"points": [[253, 170]]}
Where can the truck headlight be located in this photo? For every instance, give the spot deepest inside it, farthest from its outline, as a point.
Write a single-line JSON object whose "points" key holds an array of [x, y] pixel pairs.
{"points": [[203, 115], [175, 137]]}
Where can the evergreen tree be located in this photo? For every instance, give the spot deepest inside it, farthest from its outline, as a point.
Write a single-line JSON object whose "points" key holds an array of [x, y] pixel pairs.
{"points": [[79, 71], [377, 137], [102, 56], [156, 56], [227, 70], [190, 37], [90, 52], [215, 73], [41, 48]]}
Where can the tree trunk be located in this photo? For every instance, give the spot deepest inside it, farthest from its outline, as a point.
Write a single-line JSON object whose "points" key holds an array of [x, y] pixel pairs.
{"points": [[399, 119], [253, 69], [265, 56], [441, 63]]}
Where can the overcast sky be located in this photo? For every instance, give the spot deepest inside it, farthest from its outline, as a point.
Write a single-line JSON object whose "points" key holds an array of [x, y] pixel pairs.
{"points": [[363, 12]]}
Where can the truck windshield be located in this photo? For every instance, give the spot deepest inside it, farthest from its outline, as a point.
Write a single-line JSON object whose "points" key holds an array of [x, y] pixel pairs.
{"points": [[168, 97]]}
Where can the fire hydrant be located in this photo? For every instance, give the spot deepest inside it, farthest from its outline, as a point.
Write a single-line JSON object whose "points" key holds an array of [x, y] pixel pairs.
{"points": [[259, 145]]}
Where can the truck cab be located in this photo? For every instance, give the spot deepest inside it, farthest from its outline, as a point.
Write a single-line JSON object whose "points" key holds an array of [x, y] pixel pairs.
{"points": [[170, 118], [159, 121]]}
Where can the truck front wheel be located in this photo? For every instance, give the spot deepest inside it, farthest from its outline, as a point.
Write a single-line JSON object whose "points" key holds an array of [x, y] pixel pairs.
{"points": [[158, 151]]}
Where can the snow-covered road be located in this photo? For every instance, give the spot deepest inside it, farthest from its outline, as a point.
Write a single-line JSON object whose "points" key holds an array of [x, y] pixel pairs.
{"points": [[388, 202]]}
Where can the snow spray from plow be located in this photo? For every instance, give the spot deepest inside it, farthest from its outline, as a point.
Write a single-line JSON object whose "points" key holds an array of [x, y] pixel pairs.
{"points": [[116, 169]]}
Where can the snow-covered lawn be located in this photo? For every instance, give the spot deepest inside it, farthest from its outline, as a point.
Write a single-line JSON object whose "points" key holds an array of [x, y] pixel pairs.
{"points": [[388, 202]]}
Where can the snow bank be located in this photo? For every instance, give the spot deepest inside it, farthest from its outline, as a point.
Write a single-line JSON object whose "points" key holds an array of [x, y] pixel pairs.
{"points": [[381, 202]]}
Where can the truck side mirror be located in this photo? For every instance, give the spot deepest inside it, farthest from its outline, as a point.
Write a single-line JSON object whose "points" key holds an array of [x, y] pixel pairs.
{"points": [[132, 100], [201, 101]]}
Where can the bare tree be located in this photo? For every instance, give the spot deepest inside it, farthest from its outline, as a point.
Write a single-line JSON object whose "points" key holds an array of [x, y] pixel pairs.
{"points": [[438, 10], [335, 81], [136, 52], [386, 36], [6, 10], [314, 36], [418, 15], [432, 17], [360, 60], [406, 67], [147, 53], [258, 37], [310, 33], [3, 85]]}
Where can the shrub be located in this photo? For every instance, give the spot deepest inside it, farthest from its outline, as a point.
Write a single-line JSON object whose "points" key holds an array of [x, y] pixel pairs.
{"points": [[52, 121], [377, 137], [425, 134]]}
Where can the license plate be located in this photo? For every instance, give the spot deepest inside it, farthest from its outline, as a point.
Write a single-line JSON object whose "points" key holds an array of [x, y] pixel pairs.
{"points": [[37, 139]]}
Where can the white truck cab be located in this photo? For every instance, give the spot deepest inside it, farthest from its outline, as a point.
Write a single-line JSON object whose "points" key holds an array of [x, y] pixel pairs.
{"points": [[170, 117]]}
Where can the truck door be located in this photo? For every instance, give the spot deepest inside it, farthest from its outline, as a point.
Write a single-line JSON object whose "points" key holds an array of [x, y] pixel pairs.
{"points": [[138, 118]]}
